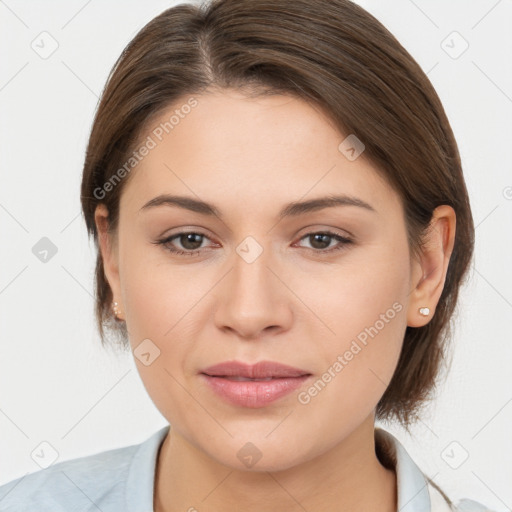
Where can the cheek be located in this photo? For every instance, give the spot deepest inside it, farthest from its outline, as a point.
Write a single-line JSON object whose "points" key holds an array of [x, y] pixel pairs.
{"points": [[158, 300], [363, 302], [157, 295]]}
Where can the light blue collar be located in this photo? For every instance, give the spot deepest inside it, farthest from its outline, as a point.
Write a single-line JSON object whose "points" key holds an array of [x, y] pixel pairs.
{"points": [[412, 486]]}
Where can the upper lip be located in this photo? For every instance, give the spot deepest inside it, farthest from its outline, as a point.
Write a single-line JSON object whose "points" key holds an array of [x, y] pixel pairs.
{"points": [[260, 370]]}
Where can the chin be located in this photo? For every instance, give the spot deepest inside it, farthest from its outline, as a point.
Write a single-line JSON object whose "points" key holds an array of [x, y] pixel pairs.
{"points": [[258, 457]]}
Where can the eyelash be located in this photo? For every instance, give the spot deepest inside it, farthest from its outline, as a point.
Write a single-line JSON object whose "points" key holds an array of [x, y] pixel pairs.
{"points": [[344, 241]]}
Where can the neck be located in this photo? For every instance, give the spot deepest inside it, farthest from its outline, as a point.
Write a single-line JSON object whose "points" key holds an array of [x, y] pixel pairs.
{"points": [[347, 477]]}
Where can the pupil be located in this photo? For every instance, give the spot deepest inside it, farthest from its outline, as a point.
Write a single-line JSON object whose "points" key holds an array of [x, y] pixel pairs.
{"points": [[189, 239], [323, 239]]}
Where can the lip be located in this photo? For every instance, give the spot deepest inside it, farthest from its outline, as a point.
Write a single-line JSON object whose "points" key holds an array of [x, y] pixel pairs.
{"points": [[228, 380], [260, 370]]}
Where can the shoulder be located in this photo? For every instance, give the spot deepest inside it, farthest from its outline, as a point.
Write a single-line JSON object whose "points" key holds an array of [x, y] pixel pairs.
{"points": [[415, 490], [467, 505], [94, 482], [439, 502], [78, 483]]}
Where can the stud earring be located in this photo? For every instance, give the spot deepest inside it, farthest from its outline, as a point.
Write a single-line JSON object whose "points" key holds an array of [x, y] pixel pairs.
{"points": [[424, 311], [117, 311]]}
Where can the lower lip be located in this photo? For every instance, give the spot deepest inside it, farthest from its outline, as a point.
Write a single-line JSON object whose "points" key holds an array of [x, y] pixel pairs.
{"points": [[253, 394]]}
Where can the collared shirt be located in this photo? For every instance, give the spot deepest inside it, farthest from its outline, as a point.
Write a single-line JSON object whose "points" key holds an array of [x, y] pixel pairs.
{"points": [[122, 480], [415, 492]]}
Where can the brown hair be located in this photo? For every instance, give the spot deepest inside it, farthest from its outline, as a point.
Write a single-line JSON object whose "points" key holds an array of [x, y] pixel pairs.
{"points": [[333, 54]]}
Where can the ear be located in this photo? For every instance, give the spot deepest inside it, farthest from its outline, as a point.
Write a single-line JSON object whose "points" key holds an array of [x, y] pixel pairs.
{"points": [[429, 269], [109, 253]]}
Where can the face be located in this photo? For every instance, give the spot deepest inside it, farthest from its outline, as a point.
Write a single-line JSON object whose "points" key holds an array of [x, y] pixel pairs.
{"points": [[325, 290]]}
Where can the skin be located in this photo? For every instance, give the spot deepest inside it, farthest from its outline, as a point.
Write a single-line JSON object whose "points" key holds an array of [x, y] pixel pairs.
{"points": [[294, 304]]}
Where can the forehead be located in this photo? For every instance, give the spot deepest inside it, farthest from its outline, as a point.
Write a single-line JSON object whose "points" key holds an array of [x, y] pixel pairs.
{"points": [[256, 152]]}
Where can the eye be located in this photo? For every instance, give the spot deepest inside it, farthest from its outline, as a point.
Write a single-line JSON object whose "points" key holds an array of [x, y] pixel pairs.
{"points": [[190, 240], [322, 239]]}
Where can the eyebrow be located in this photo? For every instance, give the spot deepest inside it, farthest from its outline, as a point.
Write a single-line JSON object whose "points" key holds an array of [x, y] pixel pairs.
{"points": [[293, 209]]}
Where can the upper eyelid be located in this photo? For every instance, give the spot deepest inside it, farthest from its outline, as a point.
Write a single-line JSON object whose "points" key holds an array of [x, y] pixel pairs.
{"points": [[310, 229]]}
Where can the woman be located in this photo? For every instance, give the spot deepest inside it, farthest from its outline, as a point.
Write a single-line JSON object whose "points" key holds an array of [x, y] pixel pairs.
{"points": [[282, 227]]}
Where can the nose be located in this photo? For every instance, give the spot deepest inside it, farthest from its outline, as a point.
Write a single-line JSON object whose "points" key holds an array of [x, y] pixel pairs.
{"points": [[253, 299]]}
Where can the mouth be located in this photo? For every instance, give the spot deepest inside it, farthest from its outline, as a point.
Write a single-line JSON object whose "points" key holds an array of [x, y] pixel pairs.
{"points": [[263, 370], [253, 386], [241, 379]]}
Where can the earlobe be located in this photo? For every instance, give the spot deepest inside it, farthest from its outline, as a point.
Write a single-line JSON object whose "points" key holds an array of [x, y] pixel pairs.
{"points": [[109, 254], [430, 269]]}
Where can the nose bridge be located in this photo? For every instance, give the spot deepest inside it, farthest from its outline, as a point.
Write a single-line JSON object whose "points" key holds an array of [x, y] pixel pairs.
{"points": [[252, 299], [250, 276]]}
